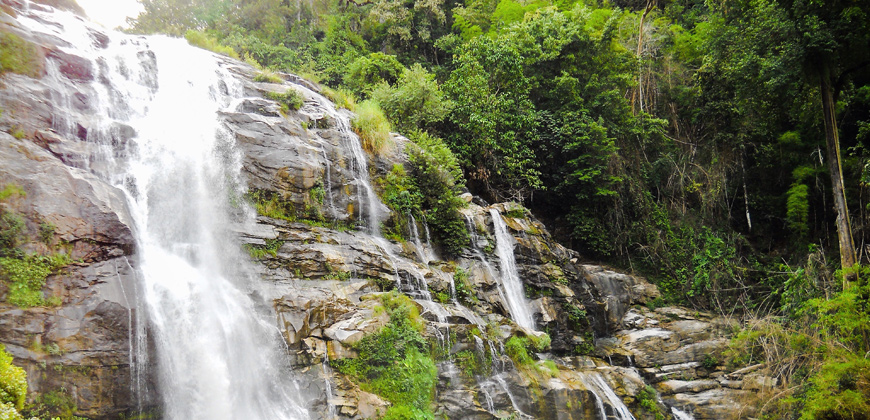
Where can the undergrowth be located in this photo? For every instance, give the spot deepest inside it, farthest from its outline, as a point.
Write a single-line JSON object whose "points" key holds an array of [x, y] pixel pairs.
{"points": [[395, 362], [818, 353]]}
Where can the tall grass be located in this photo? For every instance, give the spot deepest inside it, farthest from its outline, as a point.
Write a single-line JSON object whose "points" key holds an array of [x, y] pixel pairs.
{"points": [[372, 125], [202, 40], [343, 98]]}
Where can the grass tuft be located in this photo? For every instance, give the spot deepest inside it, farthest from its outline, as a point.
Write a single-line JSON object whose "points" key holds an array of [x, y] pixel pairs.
{"points": [[268, 76], [372, 126]]}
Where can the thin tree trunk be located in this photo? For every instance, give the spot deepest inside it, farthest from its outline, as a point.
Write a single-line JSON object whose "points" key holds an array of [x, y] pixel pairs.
{"points": [[638, 93], [844, 228]]}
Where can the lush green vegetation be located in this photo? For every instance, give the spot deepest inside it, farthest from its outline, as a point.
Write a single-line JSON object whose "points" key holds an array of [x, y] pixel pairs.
{"points": [[291, 99], [18, 56], [25, 273], [395, 362], [518, 348], [372, 126], [716, 147], [820, 353], [204, 41], [13, 387]]}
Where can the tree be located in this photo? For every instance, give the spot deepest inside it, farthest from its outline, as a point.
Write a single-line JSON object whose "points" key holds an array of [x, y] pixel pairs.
{"points": [[835, 38]]}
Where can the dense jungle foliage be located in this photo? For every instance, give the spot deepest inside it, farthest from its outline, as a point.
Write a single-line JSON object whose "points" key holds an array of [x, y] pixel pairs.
{"points": [[694, 142]]}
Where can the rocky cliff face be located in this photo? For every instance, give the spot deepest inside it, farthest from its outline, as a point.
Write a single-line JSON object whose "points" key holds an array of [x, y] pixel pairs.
{"points": [[321, 275]]}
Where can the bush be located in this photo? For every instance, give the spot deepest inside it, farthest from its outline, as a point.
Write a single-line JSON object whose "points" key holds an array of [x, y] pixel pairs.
{"points": [[372, 126], [18, 56], [819, 355], [415, 102], [438, 177], [13, 382], [291, 99], [515, 347], [400, 194], [11, 228], [204, 41], [394, 362], [342, 98], [368, 71]]}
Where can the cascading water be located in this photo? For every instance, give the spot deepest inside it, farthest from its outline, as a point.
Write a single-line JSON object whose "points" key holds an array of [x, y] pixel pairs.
{"points": [[510, 279], [216, 357], [680, 414], [603, 393]]}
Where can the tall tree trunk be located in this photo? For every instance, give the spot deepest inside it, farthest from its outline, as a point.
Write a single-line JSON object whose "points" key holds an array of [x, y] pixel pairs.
{"points": [[844, 227], [638, 93]]}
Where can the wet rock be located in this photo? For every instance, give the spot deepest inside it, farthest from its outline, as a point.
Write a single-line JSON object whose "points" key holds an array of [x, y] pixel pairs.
{"points": [[78, 69], [86, 212]]}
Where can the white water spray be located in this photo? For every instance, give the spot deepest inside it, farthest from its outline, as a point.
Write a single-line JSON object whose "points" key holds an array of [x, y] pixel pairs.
{"points": [[217, 358]]}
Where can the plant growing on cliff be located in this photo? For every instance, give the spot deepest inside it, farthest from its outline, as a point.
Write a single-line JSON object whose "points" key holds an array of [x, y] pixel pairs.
{"points": [[18, 55], [518, 348], [26, 277], [648, 400], [268, 76], [401, 195], [291, 99], [13, 387], [372, 126], [269, 249], [394, 362], [270, 205], [437, 175], [342, 98]]}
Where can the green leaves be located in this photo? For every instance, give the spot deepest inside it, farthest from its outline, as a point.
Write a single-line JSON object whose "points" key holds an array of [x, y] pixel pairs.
{"points": [[394, 362], [415, 101], [13, 383]]}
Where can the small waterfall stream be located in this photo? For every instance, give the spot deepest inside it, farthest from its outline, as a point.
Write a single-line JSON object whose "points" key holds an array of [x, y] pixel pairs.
{"points": [[603, 393], [510, 279], [680, 414]]}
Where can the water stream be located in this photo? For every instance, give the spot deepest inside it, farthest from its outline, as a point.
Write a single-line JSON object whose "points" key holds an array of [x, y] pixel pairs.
{"points": [[605, 397], [680, 414]]}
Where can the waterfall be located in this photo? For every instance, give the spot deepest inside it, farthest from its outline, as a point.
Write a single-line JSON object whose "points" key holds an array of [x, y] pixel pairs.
{"points": [[595, 383], [370, 208], [680, 414], [422, 253], [217, 356], [510, 278]]}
